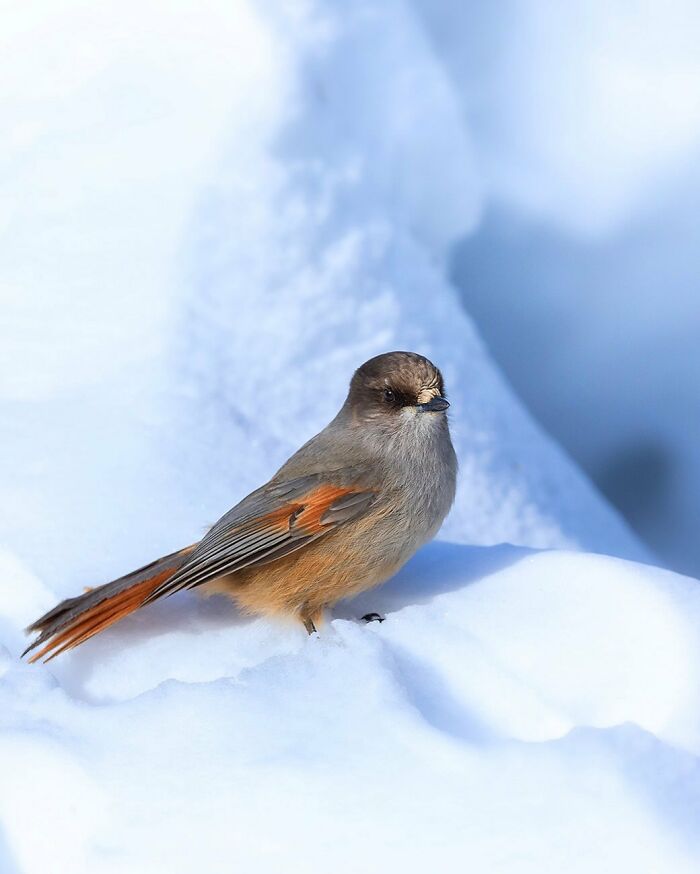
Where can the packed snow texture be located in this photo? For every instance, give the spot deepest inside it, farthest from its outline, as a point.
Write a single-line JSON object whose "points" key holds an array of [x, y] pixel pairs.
{"points": [[517, 711], [214, 214]]}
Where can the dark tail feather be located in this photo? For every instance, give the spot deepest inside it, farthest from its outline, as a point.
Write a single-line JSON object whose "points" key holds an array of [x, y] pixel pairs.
{"points": [[74, 620]]}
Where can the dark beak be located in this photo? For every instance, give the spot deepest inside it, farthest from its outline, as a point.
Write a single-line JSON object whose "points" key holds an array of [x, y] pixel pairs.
{"points": [[434, 405]]}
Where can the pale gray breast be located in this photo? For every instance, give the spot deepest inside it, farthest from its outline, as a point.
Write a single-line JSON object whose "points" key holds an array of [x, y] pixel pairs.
{"points": [[421, 474]]}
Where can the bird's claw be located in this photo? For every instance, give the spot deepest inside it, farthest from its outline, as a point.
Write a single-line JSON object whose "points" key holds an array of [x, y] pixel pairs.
{"points": [[373, 617]]}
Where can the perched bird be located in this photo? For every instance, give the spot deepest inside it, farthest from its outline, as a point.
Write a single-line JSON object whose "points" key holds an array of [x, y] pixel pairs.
{"points": [[340, 516]]}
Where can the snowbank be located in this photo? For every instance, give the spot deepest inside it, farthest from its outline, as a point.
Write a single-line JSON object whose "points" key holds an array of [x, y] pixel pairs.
{"points": [[583, 277], [517, 710]]}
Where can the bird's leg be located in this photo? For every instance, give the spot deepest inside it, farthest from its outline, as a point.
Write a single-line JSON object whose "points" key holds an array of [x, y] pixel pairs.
{"points": [[373, 617], [311, 617]]}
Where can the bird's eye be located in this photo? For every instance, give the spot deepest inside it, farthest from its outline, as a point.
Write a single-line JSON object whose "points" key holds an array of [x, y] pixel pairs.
{"points": [[389, 396]]}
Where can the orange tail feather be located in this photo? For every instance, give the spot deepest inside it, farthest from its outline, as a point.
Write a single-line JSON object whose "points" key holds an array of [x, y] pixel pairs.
{"points": [[75, 620]]}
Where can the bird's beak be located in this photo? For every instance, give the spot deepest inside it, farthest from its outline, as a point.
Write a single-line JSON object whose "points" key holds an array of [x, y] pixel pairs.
{"points": [[434, 405]]}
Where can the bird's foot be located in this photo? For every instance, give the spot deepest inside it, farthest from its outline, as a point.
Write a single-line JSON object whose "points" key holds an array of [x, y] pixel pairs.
{"points": [[373, 617]]}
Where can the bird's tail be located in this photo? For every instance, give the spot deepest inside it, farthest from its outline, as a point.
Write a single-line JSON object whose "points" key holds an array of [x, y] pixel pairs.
{"points": [[74, 620]]}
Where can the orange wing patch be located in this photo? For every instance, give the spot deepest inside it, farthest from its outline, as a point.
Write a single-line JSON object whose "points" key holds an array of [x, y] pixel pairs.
{"points": [[315, 505], [266, 537], [304, 517]]}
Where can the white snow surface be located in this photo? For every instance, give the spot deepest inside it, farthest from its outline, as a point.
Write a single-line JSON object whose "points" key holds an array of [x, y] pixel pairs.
{"points": [[517, 711], [212, 215]]}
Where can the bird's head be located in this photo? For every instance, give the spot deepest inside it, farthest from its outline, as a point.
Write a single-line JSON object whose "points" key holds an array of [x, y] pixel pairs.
{"points": [[397, 389]]}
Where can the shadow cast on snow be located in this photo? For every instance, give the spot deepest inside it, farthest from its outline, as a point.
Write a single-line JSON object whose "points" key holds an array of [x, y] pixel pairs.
{"points": [[438, 568]]}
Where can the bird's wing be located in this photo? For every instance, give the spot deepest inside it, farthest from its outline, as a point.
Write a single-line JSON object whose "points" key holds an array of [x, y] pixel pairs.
{"points": [[273, 521]]}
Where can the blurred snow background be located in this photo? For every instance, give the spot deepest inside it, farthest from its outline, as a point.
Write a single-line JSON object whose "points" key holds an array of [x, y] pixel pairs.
{"points": [[584, 275], [211, 214]]}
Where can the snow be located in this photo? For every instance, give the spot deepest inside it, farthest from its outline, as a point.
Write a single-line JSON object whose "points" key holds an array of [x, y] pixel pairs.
{"points": [[581, 113], [213, 216], [517, 709], [583, 276], [611, 367]]}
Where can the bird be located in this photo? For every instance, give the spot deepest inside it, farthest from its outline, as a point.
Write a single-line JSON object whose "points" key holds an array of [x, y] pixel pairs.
{"points": [[340, 516]]}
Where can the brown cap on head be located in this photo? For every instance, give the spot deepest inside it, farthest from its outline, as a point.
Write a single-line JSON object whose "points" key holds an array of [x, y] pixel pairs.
{"points": [[389, 382]]}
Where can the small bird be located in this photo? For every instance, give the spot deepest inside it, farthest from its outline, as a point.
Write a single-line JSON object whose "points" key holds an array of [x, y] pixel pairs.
{"points": [[342, 515]]}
